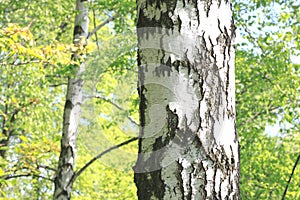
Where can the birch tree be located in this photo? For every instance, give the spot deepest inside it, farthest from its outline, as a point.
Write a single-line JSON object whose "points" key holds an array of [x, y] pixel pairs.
{"points": [[188, 146], [65, 171]]}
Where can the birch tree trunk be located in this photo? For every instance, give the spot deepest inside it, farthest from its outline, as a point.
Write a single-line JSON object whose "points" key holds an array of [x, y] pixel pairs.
{"points": [[188, 146], [65, 171]]}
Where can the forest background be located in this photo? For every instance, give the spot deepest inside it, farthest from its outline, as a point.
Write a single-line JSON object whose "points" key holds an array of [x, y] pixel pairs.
{"points": [[35, 61]]}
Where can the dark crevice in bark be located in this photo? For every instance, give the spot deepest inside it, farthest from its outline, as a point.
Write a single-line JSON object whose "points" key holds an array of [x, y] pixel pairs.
{"points": [[207, 6], [232, 161], [229, 110], [219, 23], [219, 191], [214, 192], [179, 178], [179, 23], [219, 3], [212, 53], [183, 3], [197, 12], [176, 65], [142, 102], [190, 189], [227, 43], [141, 88], [202, 188]]}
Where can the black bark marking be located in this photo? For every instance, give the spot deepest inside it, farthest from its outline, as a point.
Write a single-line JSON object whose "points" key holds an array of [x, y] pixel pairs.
{"points": [[176, 65], [212, 53], [78, 30], [164, 22], [197, 12], [179, 178], [172, 120], [207, 6], [179, 23], [219, 23], [147, 190], [219, 3], [227, 88], [190, 190], [143, 100], [162, 69], [69, 104], [202, 188]]}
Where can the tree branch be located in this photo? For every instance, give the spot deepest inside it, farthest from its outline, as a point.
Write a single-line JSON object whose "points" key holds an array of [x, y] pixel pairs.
{"points": [[11, 176], [57, 85], [290, 178], [45, 167], [79, 172], [253, 38], [100, 26], [257, 115], [21, 63], [116, 105], [96, 35]]}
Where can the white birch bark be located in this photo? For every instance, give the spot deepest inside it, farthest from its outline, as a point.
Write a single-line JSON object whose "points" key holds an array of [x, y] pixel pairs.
{"points": [[66, 164], [188, 147]]}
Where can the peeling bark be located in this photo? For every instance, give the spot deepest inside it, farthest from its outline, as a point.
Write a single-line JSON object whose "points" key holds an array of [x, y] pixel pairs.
{"points": [[188, 147], [66, 164]]}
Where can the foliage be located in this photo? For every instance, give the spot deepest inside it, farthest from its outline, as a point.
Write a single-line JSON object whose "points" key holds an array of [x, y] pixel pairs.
{"points": [[268, 95], [30, 111], [35, 63]]}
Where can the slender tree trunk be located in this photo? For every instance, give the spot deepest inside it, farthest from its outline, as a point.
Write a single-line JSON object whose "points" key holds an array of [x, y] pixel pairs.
{"points": [[188, 146], [66, 165]]}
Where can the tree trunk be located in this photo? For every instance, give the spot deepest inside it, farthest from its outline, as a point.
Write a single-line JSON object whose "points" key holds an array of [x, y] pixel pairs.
{"points": [[66, 164], [188, 146]]}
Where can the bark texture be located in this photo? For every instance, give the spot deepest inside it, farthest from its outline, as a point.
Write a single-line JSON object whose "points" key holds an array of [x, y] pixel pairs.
{"points": [[63, 181], [188, 146]]}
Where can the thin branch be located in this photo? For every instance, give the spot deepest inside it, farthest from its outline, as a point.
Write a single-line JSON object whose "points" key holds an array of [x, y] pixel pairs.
{"points": [[257, 115], [63, 28], [79, 172], [116, 105], [253, 38], [290, 178], [11, 176], [96, 35], [21, 63], [57, 85], [100, 26], [45, 167]]}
